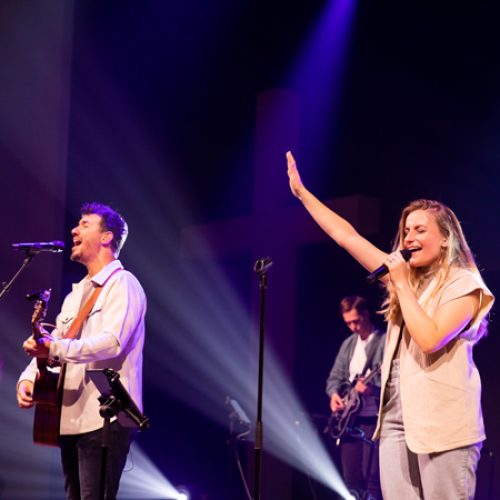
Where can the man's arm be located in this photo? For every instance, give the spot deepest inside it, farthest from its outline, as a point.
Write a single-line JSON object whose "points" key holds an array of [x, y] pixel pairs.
{"points": [[124, 307], [339, 376], [338, 228]]}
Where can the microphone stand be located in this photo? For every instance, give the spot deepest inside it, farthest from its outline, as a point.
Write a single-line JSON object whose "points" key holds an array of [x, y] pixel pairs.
{"points": [[30, 253], [261, 267], [113, 400]]}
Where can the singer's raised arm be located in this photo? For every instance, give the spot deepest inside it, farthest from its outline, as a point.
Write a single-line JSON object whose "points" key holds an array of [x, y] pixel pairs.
{"points": [[338, 228]]}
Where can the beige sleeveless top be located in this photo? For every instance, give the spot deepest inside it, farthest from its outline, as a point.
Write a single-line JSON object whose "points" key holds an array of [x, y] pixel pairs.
{"points": [[440, 391]]}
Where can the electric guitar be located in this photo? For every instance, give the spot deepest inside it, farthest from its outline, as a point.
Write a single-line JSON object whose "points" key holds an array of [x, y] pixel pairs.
{"points": [[340, 421], [47, 393]]}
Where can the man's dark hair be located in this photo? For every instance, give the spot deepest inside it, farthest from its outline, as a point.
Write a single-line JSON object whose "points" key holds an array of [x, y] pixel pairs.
{"points": [[111, 220], [353, 302]]}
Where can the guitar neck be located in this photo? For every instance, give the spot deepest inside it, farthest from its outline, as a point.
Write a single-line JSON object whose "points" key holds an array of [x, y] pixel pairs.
{"points": [[36, 332], [372, 374]]}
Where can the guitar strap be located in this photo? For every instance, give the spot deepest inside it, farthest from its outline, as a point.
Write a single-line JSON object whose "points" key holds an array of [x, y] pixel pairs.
{"points": [[85, 310], [72, 332], [400, 336]]}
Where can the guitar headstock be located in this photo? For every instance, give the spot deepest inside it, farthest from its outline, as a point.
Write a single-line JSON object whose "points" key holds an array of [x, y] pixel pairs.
{"points": [[41, 299]]}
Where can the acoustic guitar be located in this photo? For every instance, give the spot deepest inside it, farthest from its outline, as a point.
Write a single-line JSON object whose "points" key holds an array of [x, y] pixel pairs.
{"points": [[47, 393]]}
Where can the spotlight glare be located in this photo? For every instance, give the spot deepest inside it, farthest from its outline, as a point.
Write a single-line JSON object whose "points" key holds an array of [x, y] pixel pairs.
{"points": [[144, 480], [213, 345], [183, 493]]}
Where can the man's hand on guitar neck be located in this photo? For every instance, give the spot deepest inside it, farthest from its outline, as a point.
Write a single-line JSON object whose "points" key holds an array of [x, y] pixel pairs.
{"points": [[363, 388], [37, 348], [25, 394]]}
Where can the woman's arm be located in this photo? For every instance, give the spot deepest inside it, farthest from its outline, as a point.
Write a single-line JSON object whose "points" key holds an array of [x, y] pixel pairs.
{"points": [[339, 229], [430, 334]]}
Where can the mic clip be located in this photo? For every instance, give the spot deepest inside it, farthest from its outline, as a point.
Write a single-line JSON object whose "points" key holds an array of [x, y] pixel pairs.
{"points": [[263, 265]]}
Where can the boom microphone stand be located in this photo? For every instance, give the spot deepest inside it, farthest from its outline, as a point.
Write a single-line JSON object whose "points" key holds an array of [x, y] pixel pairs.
{"points": [[7, 286], [261, 267]]}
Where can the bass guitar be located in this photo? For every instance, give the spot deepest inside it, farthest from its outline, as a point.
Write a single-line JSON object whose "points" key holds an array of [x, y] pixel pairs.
{"points": [[47, 393], [340, 421]]}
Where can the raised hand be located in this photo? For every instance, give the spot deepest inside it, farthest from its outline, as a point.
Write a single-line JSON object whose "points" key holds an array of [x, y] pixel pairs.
{"points": [[296, 185]]}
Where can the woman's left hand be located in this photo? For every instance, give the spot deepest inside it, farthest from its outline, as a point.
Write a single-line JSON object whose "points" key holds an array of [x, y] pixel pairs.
{"points": [[399, 269]]}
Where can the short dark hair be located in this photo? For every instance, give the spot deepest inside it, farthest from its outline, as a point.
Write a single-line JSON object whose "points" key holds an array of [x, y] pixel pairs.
{"points": [[111, 220], [353, 302]]}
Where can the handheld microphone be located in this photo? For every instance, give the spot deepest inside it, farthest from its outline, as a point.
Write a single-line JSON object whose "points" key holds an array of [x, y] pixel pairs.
{"points": [[41, 246], [383, 270], [262, 265]]}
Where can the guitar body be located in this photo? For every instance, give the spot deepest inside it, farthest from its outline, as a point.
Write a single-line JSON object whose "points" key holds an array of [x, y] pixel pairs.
{"points": [[47, 396], [340, 422]]}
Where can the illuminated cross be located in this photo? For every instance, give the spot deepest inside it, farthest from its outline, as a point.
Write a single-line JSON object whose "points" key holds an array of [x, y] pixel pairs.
{"points": [[277, 227]]}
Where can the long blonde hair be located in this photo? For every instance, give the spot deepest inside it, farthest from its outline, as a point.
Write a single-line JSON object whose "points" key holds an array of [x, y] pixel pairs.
{"points": [[456, 253]]}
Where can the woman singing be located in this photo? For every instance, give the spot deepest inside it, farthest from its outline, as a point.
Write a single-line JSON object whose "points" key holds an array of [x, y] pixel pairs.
{"points": [[430, 422]]}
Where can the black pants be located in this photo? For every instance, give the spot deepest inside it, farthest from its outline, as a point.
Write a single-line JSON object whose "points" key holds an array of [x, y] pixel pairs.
{"points": [[81, 457], [359, 458]]}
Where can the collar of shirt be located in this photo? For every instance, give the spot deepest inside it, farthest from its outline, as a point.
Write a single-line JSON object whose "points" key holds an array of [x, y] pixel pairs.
{"points": [[367, 340], [100, 278]]}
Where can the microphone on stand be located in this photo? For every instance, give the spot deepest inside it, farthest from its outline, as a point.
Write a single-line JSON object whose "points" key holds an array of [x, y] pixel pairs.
{"points": [[41, 246], [383, 270]]}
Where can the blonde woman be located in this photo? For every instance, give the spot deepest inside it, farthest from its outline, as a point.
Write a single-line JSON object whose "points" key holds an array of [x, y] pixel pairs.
{"points": [[430, 421]]}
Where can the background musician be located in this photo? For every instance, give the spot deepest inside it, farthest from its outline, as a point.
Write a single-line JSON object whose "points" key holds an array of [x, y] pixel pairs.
{"points": [[359, 352]]}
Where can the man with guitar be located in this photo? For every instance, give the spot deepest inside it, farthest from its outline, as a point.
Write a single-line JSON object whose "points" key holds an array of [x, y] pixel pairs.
{"points": [[101, 325], [353, 402]]}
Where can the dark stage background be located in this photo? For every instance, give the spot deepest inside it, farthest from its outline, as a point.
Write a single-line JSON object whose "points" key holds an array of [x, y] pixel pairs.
{"points": [[153, 107]]}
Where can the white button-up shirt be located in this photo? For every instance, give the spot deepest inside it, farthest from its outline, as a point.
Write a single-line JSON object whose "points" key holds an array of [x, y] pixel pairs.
{"points": [[112, 336]]}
